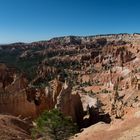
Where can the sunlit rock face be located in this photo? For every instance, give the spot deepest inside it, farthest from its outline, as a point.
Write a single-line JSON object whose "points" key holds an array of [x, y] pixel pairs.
{"points": [[70, 103], [15, 104], [12, 93]]}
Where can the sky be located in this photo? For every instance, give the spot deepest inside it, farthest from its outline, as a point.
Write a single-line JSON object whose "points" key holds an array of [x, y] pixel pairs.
{"points": [[34, 20]]}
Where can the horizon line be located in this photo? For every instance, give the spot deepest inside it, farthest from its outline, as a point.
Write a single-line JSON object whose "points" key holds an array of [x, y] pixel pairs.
{"points": [[50, 38]]}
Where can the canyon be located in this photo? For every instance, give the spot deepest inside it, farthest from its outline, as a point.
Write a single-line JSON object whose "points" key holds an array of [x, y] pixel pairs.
{"points": [[95, 80]]}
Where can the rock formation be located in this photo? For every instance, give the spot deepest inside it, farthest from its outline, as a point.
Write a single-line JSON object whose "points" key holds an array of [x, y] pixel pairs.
{"points": [[14, 128], [70, 104]]}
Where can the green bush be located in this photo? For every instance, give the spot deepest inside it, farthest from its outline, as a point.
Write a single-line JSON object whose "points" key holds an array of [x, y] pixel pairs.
{"points": [[105, 91], [53, 125]]}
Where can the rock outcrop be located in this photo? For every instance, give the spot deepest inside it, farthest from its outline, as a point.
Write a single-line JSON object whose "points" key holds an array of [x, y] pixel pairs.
{"points": [[70, 103], [14, 128]]}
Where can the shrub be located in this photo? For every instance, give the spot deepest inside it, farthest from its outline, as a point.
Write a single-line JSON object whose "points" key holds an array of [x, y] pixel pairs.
{"points": [[54, 125], [105, 91]]}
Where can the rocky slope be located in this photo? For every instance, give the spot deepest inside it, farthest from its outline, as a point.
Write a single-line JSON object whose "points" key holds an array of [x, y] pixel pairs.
{"points": [[13, 128], [126, 129]]}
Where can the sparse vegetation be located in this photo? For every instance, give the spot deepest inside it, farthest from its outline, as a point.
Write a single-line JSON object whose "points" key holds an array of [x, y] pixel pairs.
{"points": [[105, 91]]}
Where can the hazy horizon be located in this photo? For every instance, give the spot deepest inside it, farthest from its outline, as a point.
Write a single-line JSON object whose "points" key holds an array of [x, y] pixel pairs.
{"points": [[63, 36]]}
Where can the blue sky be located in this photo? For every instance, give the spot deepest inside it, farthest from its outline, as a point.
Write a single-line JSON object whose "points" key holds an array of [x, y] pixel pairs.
{"points": [[32, 20]]}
